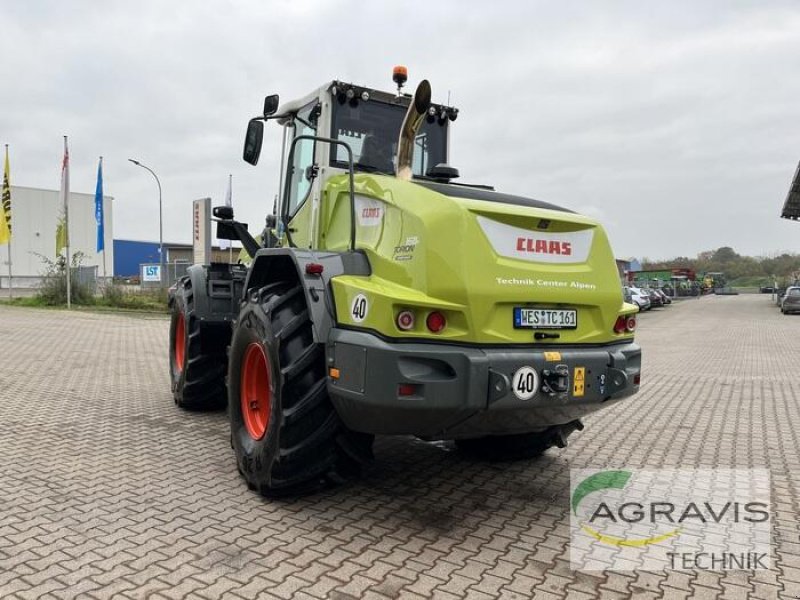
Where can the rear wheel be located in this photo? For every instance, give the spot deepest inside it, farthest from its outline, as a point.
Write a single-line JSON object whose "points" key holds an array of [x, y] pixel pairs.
{"points": [[196, 367], [286, 434]]}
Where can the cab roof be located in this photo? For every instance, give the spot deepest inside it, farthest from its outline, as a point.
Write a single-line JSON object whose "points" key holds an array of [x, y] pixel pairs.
{"points": [[292, 106]]}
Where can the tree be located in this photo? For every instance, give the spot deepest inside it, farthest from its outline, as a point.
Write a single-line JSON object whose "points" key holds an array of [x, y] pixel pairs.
{"points": [[726, 260], [723, 255]]}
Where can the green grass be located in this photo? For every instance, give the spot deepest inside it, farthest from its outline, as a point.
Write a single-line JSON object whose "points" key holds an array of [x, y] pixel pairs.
{"points": [[112, 301], [33, 301], [117, 297]]}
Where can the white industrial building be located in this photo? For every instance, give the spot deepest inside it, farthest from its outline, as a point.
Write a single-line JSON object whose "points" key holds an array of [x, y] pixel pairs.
{"points": [[34, 219]]}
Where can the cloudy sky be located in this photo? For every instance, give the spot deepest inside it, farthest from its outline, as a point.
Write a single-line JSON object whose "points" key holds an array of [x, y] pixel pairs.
{"points": [[677, 124]]}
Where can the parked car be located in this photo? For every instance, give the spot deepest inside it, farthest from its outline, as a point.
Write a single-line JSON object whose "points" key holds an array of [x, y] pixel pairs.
{"points": [[791, 300], [664, 298], [655, 299], [638, 297], [626, 295]]}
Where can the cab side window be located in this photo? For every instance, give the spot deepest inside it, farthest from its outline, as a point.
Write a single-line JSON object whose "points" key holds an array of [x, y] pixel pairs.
{"points": [[299, 182]]}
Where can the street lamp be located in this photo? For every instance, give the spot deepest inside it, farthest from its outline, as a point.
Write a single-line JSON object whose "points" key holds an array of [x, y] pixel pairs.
{"points": [[160, 221]]}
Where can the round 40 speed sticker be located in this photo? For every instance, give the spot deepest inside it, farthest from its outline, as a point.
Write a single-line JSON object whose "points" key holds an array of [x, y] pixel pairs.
{"points": [[359, 308], [525, 383]]}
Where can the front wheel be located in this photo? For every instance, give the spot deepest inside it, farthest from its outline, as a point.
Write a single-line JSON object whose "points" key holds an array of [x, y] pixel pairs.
{"points": [[286, 434]]}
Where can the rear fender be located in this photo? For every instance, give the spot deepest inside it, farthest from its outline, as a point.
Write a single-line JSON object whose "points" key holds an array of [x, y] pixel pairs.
{"points": [[217, 289], [289, 264]]}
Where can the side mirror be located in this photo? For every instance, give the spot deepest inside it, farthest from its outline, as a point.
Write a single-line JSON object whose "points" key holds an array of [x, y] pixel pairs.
{"points": [[271, 105], [252, 141], [443, 171], [226, 231], [223, 212]]}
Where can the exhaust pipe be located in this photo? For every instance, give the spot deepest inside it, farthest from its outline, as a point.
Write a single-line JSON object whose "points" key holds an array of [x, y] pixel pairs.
{"points": [[408, 132]]}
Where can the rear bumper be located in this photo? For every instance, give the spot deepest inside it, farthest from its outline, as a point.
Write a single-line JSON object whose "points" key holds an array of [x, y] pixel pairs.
{"points": [[463, 391], [791, 306]]}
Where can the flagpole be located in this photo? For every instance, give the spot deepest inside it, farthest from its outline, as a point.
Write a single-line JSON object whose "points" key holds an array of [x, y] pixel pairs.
{"points": [[100, 216], [10, 276], [230, 202], [7, 182], [66, 227]]}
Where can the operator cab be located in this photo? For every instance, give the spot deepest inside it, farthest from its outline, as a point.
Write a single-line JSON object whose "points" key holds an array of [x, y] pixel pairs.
{"points": [[370, 120], [317, 132]]}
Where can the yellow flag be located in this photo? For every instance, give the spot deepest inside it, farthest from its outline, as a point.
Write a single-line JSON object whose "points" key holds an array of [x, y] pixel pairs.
{"points": [[61, 235], [5, 206]]}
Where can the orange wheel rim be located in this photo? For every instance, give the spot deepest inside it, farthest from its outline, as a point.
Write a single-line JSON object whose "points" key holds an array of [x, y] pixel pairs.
{"points": [[255, 393], [180, 343]]}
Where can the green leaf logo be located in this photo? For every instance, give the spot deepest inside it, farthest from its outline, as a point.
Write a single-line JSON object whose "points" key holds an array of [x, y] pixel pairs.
{"points": [[605, 480], [599, 481]]}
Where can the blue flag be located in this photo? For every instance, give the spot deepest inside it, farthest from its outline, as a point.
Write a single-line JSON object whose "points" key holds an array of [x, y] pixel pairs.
{"points": [[98, 207]]}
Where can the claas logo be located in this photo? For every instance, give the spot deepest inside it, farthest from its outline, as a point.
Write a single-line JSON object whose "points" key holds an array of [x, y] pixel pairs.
{"points": [[539, 246], [373, 212]]}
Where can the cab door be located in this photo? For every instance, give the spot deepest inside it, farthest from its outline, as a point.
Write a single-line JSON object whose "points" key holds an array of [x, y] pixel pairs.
{"points": [[302, 180]]}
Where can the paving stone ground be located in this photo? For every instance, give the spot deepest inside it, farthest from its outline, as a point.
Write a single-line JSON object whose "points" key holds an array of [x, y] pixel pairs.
{"points": [[107, 490]]}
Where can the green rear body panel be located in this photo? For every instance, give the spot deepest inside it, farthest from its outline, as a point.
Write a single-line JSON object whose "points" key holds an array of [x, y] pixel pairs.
{"points": [[473, 260]]}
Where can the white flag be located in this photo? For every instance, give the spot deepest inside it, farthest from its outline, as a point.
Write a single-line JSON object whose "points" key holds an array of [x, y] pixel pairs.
{"points": [[223, 244], [62, 231]]}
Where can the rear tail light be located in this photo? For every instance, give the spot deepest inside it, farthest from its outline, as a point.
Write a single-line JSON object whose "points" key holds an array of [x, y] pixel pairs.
{"points": [[625, 324], [405, 320], [314, 269], [436, 322], [619, 326], [406, 389]]}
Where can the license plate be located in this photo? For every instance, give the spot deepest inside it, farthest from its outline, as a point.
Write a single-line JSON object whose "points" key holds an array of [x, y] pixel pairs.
{"points": [[545, 318]]}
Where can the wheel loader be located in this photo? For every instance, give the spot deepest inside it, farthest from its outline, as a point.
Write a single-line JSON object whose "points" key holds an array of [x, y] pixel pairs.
{"points": [[387, 297]]}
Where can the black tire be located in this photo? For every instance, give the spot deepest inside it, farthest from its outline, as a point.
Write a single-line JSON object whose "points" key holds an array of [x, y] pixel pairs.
{"points": [[304, 446], [198, 381]]}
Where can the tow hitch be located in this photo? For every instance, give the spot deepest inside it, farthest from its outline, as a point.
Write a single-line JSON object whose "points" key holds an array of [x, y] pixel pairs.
{"points": [[555, 381], [562, 432]]}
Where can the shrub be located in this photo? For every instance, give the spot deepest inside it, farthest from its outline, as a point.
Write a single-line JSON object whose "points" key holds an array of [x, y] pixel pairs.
{"points": [[118, 297], [53, 287], [113, 295]]}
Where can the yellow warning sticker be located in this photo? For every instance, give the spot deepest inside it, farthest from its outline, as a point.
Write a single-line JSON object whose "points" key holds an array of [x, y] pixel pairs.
{"points": [[552, 356], [578, 381]]}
